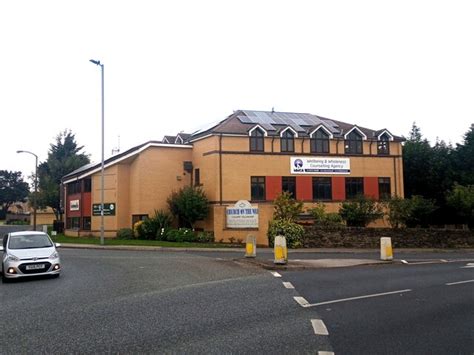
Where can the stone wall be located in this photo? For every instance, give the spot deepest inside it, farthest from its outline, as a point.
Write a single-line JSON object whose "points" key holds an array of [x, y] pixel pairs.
{"points": [[401, 238]]}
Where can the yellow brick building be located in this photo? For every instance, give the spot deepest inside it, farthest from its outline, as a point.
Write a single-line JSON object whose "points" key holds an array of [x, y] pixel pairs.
{"points": [[249, 156]]}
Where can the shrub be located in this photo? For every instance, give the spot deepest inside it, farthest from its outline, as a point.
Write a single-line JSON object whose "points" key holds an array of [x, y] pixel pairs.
{"points": [[420, 210], [180, 235], [189, 205], [138, 230], [360, 212], [287, 207], [323, 219], [287, 228], [205, 237], [125, 233], [461, 199]]}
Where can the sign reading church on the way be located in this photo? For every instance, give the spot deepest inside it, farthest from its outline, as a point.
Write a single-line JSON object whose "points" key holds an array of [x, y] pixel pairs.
{"points": [[320, 165], [242, 215]]}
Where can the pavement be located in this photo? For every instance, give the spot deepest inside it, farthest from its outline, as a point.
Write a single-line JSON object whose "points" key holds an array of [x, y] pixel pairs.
{"points": [[298, 259]]}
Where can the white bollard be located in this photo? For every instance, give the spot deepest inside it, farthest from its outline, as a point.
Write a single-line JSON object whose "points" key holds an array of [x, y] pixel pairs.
{"points": [[45, 228], [251, 247], [386, 252], [281, 253]]}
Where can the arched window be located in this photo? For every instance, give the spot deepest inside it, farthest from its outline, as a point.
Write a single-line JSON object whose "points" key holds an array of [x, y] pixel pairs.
{"points": [[353, 143], [320, 142], [256, 140], [383, 145], [287, 141]]}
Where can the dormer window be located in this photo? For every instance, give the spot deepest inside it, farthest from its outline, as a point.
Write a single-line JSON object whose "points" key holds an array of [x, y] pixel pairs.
{"points": [[353, 142], [320, 142], [256, 140], [383, 144], [287, 141]]}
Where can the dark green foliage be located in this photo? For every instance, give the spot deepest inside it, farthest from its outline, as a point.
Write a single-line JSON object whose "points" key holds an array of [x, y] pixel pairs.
{"points": [[64, 156], [125, 233], [415, 211], [205, 237], [360, 212], [181, 235], [461, 199], [323, 219], [287, 207], [189, 205], [12, 188], [292, 231], [464, 159], [156, 227]]}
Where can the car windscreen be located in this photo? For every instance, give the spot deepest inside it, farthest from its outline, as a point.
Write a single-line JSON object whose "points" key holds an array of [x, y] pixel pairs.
{"points": [[29, 241]]}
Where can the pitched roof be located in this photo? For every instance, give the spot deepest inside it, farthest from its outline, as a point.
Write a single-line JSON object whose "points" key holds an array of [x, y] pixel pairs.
{"points": [[242, 121]]}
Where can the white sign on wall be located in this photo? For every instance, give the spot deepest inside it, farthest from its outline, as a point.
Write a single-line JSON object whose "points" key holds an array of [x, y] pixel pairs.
{"points": [[74, 205], [242, 215], [320, 165]]}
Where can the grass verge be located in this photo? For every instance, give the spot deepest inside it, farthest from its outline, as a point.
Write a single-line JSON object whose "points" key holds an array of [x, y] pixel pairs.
{"points": [[60, 238]]}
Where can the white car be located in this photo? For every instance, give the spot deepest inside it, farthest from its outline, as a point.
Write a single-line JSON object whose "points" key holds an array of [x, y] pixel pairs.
{"points": [[26, 254]]}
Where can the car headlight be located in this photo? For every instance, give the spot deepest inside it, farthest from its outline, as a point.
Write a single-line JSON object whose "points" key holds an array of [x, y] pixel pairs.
{"points": [[11, 257], [55, 255]]}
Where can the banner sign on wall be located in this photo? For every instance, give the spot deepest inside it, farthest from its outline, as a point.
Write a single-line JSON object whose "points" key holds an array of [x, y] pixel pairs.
{"points": [[74, 205], [242, 215], [320, 165], [109, 209]]}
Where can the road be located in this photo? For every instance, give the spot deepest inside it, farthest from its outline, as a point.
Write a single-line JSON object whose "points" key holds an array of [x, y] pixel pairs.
{"points": [[395, 309], [153, 302], [203, 302]]}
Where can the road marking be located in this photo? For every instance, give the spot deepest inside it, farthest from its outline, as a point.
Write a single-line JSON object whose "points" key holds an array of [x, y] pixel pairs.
{"points": [[325, 353], [404, 262], [468, 266], [288, 285], [459, 282], [319, 327], [301, 301], [274, 273], [355, 298]]}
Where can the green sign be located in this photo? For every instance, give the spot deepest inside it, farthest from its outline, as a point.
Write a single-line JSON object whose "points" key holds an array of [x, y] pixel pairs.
{"points": [[109, 209]]}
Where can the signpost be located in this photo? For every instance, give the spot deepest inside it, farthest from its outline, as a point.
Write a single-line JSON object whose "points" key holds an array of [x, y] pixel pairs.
{"points": [[320, 165], [109, 209]]}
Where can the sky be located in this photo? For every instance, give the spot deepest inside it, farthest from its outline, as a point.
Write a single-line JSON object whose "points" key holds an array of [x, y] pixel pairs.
{"points": [[173, 66]]}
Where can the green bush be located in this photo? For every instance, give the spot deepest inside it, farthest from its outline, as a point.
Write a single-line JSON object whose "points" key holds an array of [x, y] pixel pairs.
{"points": [[287, 207], [188, 205], [461, 199], [287, 228], [181, 235], [125, 233], [17, 222], [360, 212], [323, 219], [410, 212], [205, 237]]}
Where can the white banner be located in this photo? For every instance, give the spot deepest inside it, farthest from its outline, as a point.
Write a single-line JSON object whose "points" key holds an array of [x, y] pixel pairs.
{"points": [[320, 165], [74, 205], [242, 215]]}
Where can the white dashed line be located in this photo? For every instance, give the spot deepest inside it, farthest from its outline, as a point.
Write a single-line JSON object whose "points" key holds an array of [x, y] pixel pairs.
{"points": [[354, 298], [288, 285], [404, 261], [459, 282], [274, 273], [325, 353], [319, 327], [301, 301]]}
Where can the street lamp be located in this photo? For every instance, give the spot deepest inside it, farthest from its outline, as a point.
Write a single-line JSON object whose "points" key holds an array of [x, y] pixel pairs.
{"points": [[36, 185], [97, 62]]}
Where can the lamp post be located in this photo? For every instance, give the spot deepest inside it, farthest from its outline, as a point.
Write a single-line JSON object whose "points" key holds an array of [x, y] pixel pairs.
{"points": [[97, 62], [36, 185]]}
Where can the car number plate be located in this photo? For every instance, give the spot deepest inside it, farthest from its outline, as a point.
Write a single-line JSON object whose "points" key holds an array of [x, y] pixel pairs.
{"points": [[35, 267]]}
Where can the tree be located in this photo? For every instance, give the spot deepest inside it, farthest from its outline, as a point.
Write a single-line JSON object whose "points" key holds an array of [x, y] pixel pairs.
{"points": [[189, 205], [464, 157], [12, 188], [287, 207], [64, 156], [461, 199]]}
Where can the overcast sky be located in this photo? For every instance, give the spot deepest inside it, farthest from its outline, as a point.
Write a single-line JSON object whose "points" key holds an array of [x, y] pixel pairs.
{"points": [[174, 66]]}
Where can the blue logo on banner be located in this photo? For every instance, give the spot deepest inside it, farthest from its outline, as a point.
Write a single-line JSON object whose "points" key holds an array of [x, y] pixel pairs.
{"points": [[298, 163]]}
